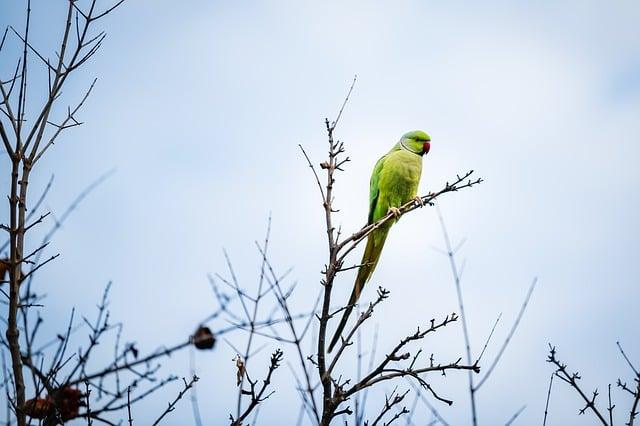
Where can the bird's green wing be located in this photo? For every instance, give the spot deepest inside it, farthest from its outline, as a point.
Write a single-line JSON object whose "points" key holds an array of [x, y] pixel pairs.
{"points": [[374, 188]]}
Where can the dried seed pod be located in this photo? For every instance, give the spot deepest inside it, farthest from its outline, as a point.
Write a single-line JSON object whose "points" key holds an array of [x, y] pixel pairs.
{"points": [[39, 408], [203, 338], [64, 404], [4, 269], [5, 265], [68, 402]]}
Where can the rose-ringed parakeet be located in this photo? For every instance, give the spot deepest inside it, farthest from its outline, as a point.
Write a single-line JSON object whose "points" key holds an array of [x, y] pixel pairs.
{"points": [[394, 182]]}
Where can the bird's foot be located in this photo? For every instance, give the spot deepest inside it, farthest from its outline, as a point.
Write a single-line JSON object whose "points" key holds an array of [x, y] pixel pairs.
{"points": [[395, 211], [418, 200]]}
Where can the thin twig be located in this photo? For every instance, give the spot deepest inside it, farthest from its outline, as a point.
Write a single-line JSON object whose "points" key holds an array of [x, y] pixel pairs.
{"points": [[546, 405], [515, 416], [172, 405], [465, 330], [509, 336], [572, 380]]}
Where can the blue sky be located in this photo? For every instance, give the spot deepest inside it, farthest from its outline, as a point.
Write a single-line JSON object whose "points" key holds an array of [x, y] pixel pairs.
{"points": [[200, 106]]}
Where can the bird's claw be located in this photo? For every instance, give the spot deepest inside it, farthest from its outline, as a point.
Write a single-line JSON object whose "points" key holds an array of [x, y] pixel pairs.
{"points": [[395, 211], [418, 200]]}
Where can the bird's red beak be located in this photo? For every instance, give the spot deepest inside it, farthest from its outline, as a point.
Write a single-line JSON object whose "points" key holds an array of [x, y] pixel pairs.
{"points": [[426, 147]]}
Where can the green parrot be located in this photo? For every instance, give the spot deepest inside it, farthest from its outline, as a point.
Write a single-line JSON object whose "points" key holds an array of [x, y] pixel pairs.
{"points": [[394, 182]]}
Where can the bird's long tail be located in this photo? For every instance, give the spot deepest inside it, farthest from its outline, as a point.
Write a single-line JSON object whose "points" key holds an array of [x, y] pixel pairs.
{"points": [[370, 258]]}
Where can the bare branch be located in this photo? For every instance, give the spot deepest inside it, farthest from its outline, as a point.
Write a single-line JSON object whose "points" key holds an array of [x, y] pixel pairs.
{"points": [[515, 416], [572, 380], [389, 402], [509, 336], [344, 103], [172, 405], [259, 396], [465, 330], [64, 125], [461, 182], [546, 405]]}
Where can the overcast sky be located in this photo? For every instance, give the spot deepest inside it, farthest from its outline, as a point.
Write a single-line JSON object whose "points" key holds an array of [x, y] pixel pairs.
{"points": [[200, 106]]}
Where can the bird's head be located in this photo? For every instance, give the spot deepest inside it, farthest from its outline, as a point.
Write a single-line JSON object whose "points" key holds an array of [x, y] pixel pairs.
{"points": [[417, 141]]}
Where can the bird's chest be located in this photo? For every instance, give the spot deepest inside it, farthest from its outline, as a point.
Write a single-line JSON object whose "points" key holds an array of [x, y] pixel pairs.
{"points": [[402, 175]]}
